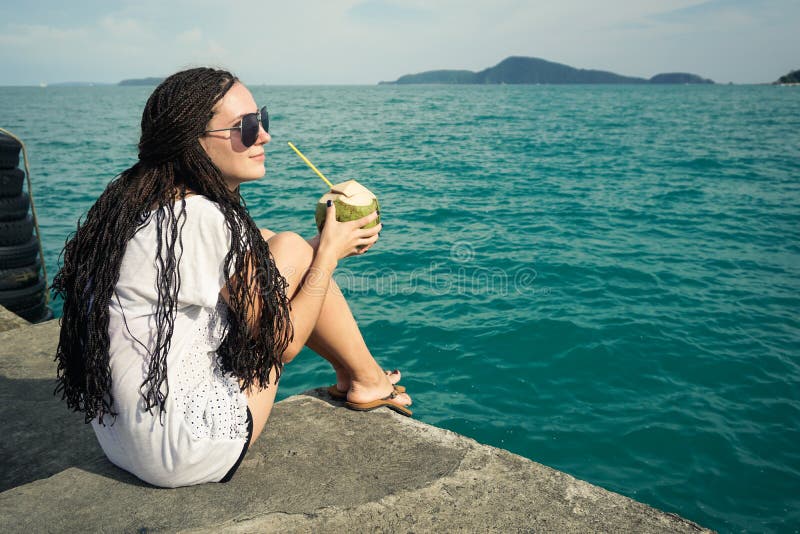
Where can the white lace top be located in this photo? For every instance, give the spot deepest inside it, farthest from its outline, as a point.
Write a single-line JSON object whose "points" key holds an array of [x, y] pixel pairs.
{"points": [[205, 424]]}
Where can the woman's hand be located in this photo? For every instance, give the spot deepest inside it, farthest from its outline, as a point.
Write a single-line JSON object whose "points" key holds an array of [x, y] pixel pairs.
{"points": [[343, 239]]}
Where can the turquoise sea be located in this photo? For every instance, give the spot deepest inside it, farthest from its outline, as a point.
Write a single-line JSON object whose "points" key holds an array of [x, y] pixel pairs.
{"points": [[604, 279]]}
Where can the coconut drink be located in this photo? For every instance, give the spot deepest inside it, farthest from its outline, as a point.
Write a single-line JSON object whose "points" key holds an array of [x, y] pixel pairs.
{"points": [[352, 201]]}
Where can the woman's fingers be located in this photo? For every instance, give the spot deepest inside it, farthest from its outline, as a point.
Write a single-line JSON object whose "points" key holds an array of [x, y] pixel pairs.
{"points": [[369, 232], [368, 240], [349, 238], [363, 245], [365, 220]]}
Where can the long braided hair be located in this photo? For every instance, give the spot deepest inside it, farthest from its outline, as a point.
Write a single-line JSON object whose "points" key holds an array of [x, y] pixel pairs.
{"points": [[171, 162]]}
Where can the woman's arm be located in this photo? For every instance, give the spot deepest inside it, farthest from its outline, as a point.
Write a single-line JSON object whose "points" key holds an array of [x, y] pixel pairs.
{"points": [[337, 241]]}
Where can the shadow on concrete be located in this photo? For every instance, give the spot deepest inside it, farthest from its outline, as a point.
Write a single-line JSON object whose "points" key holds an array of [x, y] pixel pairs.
{"points": [[41, 437]]}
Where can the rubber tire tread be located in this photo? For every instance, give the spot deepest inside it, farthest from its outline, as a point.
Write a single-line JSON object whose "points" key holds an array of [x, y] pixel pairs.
{"points": [[30, 312], [9, 152], [13, 208], [46, 316], [20, 276], [19, 298], [19, 255], [11, 181], [16, 232]]}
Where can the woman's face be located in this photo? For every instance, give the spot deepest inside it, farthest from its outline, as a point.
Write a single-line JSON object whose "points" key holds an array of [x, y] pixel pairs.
{"points": [[237, 162]]}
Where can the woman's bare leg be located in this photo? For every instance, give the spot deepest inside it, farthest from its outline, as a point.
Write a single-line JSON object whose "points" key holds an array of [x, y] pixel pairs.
{"points": [[317, 341], [260, 402], [336, 335], [318, 345]]}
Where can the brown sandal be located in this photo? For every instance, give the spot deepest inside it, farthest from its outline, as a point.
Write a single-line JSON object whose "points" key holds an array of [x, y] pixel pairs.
{"points": [[334, 392], [369, 406]]}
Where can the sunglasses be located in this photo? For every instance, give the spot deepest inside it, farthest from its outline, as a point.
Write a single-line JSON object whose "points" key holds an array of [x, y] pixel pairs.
{"points": [[249, 126]]}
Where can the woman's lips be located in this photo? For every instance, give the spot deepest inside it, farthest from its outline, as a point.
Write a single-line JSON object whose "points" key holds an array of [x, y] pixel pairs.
{"points": [[260, 157]]}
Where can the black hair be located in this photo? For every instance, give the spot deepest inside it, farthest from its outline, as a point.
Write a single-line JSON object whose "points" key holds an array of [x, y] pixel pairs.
{"points": [[171, 162]]}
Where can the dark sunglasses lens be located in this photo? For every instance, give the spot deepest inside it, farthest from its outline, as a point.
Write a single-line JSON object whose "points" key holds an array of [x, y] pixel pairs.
{"points": [[250, 126], [249, 129], [265, 119]]}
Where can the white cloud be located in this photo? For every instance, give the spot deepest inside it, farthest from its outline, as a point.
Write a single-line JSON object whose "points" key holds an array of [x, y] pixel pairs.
{"points": [[40, 38], [189, 37], [122, 27], [216, 50], [363, 41]]}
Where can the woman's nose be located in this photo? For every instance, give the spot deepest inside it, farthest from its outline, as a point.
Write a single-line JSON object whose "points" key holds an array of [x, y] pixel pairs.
{"points": [[263, 136]]}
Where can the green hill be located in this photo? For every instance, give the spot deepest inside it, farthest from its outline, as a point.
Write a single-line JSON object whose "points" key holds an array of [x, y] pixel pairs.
{"points": [[142, 81], [792, 77], [439, 76], [678, 78], [531, 70]]}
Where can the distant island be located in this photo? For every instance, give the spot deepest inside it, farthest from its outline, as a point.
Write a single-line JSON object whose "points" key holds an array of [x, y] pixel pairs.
{"points": [[793, 78], [142, 81], [79, 84], [532, 70]]}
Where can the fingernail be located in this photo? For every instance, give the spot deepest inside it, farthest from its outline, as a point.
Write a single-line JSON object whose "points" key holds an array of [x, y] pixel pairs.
{"points": [[329, 203]]}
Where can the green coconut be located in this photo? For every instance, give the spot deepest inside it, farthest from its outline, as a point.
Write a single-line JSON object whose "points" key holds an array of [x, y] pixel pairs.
{"points": [[352, 201]]}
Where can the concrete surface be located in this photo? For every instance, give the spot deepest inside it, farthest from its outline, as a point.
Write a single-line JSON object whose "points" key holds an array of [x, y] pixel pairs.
{"points": [[317, 467], [10, 320]]}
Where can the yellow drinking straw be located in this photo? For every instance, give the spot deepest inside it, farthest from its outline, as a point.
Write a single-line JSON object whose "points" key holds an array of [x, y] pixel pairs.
{"points": [[311, 165]]}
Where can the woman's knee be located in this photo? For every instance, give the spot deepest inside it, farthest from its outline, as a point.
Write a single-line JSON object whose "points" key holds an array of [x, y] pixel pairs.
{"points": [[293, 255], [291, 245]]}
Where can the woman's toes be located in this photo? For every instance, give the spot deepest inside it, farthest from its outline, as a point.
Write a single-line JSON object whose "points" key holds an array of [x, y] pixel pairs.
{"points": [[394, 376], [403, 399]]}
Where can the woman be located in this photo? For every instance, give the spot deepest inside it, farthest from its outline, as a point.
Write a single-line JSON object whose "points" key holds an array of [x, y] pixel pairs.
{"points": [[179, 313]]}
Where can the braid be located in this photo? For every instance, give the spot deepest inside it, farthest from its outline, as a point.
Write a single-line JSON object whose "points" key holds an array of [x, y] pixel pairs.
{"points": [[171, 160]]}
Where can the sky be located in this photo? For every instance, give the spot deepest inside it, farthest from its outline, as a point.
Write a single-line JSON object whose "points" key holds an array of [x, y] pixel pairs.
{"points": [[366, 41]]}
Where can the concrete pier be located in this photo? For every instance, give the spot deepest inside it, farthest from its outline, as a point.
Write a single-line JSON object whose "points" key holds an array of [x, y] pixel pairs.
{"points": [[318, 467]]}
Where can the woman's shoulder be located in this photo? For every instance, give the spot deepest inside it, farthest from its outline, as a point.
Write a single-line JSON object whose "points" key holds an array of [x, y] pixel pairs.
{"points": [[194, 205], [190, 198], [202, 211], [202, 201], [198, 213]]}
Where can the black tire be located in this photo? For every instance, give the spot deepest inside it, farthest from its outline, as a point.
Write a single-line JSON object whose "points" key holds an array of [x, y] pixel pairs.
{"points": [[9, 152], [13, 208], [20, 276], [16, 232], [32, 311], [17, 299], [19, 255], [11, 182], [46, 316]]}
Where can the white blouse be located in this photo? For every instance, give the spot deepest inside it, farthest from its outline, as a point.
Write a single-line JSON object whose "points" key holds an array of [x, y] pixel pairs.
{"points": [[203, 430]]}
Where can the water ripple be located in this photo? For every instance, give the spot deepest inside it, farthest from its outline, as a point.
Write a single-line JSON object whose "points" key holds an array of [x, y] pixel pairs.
{"points": [[603, 279]]}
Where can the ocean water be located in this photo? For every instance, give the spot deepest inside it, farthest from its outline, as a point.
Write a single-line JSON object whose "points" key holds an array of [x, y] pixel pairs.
{"points": [[604, 279]]}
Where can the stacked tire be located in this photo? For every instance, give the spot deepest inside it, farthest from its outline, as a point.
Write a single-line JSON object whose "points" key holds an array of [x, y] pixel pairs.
{"points": [[22, 287]]}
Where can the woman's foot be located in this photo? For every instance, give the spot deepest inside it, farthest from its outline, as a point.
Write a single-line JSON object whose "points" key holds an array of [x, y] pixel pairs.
{"points": [[343, 379], [378, 387]]}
